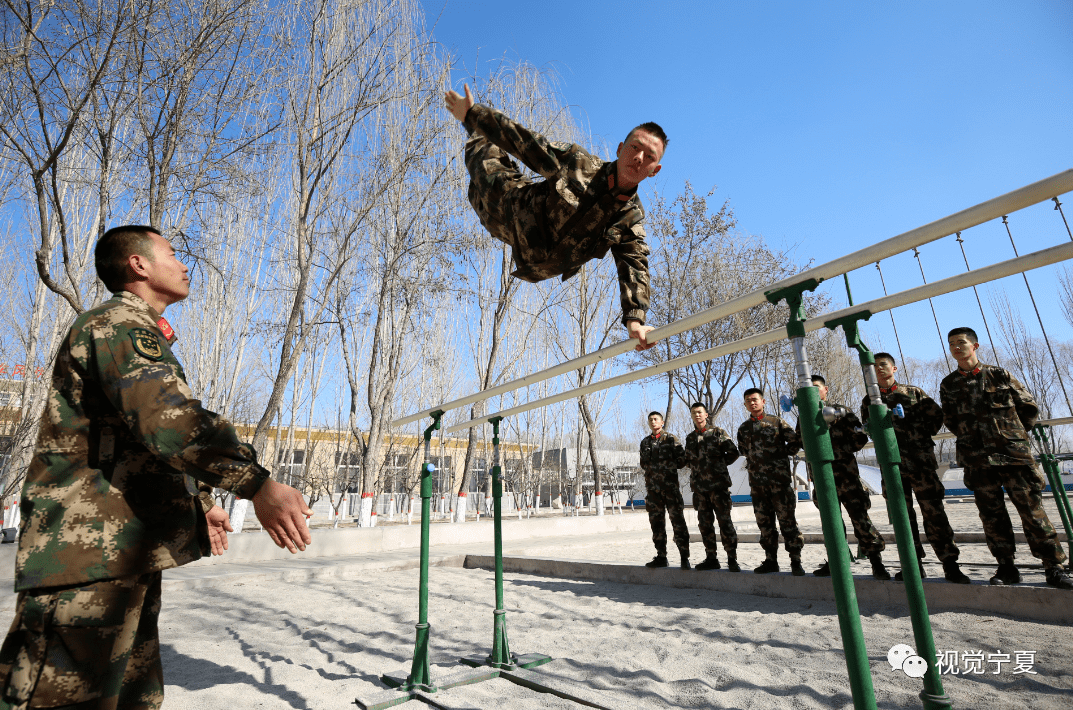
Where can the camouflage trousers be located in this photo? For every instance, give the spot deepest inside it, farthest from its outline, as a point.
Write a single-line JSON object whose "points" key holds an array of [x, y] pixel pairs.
{"points": [[925, 482], [670, 501], [776, 499], [1025, 488], [493, 177], [855, 500], [709, 506], [91, 647]]}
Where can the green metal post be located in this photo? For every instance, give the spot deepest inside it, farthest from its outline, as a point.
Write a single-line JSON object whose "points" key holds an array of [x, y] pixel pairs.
{"points": [[420, 677], [500, 656], [881, 429], [1050, 467], [818, 450]]}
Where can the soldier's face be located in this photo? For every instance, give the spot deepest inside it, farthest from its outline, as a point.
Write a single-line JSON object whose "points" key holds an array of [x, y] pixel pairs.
{"points": [[823, 390], [885, 370], [655, 423], [638, 158], [962, 347], [754, 404], [166, 275], [700, 417]]}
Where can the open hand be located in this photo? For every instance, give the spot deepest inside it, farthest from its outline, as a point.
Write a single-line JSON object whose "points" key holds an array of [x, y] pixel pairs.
{"points": [[219, 526], [457, 104], [283, 512]]}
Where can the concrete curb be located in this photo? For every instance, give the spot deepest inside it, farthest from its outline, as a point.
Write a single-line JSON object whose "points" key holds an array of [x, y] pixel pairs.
{"points": [[1025, 601]]}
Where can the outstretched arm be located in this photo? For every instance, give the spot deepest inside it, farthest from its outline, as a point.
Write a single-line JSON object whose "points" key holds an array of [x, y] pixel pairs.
{"points": [[283, 512]]}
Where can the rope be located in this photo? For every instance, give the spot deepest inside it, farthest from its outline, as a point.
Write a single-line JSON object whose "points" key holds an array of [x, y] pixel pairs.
{"points": [[994, 350], [938, 330], [1047, 340], [1058, 206], [897, 340]]}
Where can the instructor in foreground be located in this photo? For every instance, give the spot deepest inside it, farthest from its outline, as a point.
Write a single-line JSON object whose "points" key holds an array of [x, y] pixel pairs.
{"points": [[109, 500]]}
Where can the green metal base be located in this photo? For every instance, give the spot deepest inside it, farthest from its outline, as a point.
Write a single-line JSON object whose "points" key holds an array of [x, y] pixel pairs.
{"points": [[521, 675], [528, 660], [398, 679]]}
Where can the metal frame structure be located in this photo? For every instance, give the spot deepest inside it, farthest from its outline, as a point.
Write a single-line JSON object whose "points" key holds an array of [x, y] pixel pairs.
{"points": [[815, 434]]}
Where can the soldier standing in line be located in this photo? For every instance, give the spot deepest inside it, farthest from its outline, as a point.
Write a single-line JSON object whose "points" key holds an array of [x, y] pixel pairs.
{"points": [[582, 209], [661, 457], [709, 450], [991, 413], [109, 499], [767, 442], [922, 419], [847, 438]]}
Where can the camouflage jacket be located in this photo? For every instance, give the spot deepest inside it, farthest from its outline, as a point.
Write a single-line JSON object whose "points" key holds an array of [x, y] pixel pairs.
{"points": [[660, 460], [574, 215], [923, 419], [107, 493], [847, 435], [991, 413], [708, 453], [766, 445]]}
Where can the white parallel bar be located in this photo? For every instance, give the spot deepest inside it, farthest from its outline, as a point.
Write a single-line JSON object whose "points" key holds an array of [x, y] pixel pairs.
{"points": [[992, 209], [1027, 262]]}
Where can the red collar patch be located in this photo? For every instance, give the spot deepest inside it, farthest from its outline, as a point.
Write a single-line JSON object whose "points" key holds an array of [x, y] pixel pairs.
{"points": [[166, 329], [976, 371], [888, 390]]}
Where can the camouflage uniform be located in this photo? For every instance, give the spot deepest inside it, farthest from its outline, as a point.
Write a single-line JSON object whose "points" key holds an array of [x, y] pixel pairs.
{"points": [[708, 453], [766, 443], [847, 438], [923, 419], [991, 413], [108, 503], [661, 457], [556, 225]]}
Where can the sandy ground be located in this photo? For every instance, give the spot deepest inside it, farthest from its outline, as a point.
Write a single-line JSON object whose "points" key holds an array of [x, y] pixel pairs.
{"points": [[321, 643]]}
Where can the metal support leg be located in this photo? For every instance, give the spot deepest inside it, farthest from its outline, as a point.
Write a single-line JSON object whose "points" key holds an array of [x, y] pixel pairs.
{"points": [[881, 429], [1050, 467], [820, 454]]}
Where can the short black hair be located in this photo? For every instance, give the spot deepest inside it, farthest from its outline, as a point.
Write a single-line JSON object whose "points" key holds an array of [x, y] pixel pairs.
{"points": [[753, 390], [658, 414], [115, 247], [964, 331], [819, 378], [698, 404], [652, 128], [885, 356]]}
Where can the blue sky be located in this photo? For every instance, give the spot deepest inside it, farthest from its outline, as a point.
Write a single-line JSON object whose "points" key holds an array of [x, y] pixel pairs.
{"points": [[828, 126]]}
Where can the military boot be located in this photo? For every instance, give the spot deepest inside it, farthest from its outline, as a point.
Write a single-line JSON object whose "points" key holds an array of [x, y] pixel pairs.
{"points": [[1057, 577], [879, 570], [823, 570], [732, 564], [954, 574], [1006, 574], [710, 562], [657, 561], [923, 574], [684, 554], [769, 566], [796, 569]]}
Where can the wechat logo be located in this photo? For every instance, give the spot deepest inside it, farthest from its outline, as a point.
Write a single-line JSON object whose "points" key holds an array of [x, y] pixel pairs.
{"points": [[904, 658]]}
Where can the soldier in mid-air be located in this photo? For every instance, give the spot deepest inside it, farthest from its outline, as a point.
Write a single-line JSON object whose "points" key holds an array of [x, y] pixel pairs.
{"points": [[709, 450], [661, 457], [109, 499], [582, 209], [991, 413], [847, 438], [922, 419], [767, 442]]}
